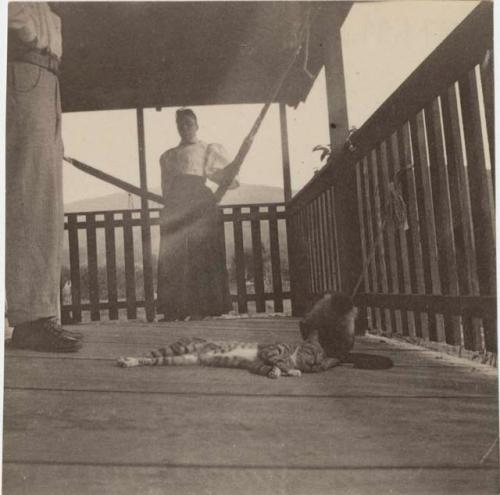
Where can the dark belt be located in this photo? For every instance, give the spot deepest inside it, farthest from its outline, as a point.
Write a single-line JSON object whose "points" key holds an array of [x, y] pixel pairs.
{"points": [[35, 57]]}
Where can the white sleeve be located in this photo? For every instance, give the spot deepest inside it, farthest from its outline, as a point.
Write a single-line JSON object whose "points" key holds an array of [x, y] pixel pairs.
{"points": [[20, 19], [216, 159]]}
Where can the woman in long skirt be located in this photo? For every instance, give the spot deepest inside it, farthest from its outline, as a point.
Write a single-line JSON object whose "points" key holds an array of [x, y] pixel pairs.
{"points": [[192, 275]]}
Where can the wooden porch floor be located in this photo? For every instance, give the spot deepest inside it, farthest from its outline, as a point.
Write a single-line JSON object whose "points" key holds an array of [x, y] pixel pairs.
{"points": [[77, 424]]}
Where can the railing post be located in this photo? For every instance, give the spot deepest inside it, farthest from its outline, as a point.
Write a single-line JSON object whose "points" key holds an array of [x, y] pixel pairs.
{"points": [[285, 152], [258, 263], [298, 263], [92, 267], [345, 209], [239, 257], [109, 230], [74, 266], [274, 247], [145, 223]]}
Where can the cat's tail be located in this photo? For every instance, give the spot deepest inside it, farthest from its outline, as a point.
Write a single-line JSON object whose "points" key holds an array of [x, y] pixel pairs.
{"points": [[368, 361], [131, 362], [184, 360]]}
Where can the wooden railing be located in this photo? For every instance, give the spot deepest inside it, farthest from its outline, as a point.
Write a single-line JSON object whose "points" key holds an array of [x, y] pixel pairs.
{"points": [[104, 270], [433, 140]]}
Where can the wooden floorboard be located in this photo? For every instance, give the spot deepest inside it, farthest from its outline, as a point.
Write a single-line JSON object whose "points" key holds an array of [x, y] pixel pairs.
{"points": [[104, 375], [111, 480], [245, 430], [79, 424]]}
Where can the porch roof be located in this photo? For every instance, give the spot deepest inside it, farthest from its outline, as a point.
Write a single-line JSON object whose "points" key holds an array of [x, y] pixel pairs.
{"points": [[121, 55]]}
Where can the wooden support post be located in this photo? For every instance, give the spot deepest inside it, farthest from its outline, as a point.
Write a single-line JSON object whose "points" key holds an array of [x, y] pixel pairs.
{"points": [[285, 152], [145, 223], [335, 89], [345, 205]]}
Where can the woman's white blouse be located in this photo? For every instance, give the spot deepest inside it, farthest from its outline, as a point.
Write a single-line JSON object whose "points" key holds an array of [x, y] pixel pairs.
{"points": [[195, 159]]}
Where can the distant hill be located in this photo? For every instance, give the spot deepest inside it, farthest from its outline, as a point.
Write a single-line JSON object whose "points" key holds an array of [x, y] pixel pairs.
{"points": [[245, 194]]}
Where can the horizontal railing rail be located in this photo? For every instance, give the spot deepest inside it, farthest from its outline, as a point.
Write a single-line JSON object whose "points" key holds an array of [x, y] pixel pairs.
{"points": [[104, 272], [431, 142]]}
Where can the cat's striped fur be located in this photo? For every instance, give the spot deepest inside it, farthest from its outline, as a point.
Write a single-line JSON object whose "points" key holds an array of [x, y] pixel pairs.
{"points": [[327, 330], [271, 360]]}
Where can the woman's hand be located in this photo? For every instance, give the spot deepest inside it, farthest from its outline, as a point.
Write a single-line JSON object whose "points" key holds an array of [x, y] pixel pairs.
{"points": [[222, 175]]}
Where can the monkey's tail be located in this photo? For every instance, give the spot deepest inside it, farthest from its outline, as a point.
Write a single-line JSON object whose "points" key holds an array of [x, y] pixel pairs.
{"points": [[369, 361]]}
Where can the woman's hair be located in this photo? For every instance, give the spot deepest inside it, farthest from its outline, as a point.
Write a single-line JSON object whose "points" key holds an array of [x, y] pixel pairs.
{"points": [[185, 112]]}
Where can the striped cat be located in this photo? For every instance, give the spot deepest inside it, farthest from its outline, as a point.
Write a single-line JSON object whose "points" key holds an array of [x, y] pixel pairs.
{"points": [[271, 360]]}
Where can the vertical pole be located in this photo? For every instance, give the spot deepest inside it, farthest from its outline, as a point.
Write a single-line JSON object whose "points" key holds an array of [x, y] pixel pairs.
{"points": [[287, 184], [335, 89], [145, 223], [345, 207], [291, 234], [345, 199]]}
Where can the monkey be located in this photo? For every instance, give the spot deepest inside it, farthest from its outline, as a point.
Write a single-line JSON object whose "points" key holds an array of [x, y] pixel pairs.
{"points": [[334, 317]]}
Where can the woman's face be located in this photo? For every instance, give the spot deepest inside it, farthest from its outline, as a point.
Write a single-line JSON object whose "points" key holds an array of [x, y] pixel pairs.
{"points": [[187, 128]]}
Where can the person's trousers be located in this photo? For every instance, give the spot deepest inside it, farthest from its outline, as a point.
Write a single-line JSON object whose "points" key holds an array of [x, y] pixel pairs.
{"points": [[34, 200]]}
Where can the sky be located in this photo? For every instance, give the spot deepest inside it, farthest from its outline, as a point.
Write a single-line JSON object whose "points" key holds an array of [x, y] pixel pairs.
{"points": [[383, 42]]}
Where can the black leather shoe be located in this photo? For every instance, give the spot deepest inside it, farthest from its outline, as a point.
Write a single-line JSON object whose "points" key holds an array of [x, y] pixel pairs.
{"points": [[44, 335]]}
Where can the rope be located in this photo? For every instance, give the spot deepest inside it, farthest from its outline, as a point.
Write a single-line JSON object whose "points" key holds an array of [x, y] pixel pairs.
{"points": [[395, 211], [306, 50]]}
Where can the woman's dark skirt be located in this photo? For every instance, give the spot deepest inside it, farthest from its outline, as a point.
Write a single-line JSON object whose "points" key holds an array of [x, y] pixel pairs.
{"points": [[192, 275]]}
